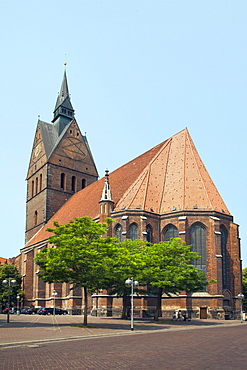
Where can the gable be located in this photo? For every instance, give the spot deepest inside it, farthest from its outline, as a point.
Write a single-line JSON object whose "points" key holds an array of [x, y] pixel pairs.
{"points": [[86, 202], [169, 177], [71, 150], [39, 152]]}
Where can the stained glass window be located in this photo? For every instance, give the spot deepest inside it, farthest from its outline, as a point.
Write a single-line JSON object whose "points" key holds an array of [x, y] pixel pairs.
{"points": [[224, 257], [149, 234], [198, 242], [169, 232], [118, 232], [133, 232]]}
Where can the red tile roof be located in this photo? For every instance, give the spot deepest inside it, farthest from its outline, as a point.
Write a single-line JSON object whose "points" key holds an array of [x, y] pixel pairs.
{"points": [[4, 261], [175, 178], [86, 201], [170, 175]]}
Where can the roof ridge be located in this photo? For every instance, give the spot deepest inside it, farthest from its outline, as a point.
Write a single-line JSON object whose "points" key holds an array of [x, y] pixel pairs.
{"points": [[142, 175], [139, 156], [165, 175], [204, 180], [140, 180], [198, 169]]}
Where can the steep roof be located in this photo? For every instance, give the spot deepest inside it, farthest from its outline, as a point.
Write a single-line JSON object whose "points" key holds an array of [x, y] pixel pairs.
{"points": [[170, 176], [175, 179], [86, 201], [49, 135]]}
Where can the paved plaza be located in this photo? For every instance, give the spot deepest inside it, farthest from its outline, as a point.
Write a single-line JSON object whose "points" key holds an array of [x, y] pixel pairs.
{"points": [[52, 342]]}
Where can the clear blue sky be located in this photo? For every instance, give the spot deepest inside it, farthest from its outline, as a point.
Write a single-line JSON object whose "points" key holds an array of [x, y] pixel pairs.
{"points": [[139, 71]]}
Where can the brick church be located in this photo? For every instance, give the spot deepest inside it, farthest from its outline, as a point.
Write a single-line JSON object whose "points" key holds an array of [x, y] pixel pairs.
{"points": [[164, 193]]}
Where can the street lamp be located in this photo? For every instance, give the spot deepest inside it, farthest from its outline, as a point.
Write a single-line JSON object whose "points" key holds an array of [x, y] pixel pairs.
{"points": [[8, 282], [241, 297], [23, 288], [18, 304], [130, 282], [54, 297]]}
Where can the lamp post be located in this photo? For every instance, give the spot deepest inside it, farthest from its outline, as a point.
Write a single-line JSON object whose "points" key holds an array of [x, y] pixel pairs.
{"points": [[18, 304], [8, 282], [130, 282], [23, 288], [54, 297], [241, 297]]}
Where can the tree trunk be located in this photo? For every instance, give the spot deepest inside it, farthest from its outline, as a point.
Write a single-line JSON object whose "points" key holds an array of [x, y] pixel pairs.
{"points": [[125, 306], [85, 306], [157, 312]]}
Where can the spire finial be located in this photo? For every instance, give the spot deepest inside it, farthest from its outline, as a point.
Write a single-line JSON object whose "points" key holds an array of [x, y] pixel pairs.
{"points": [[65, 63]]}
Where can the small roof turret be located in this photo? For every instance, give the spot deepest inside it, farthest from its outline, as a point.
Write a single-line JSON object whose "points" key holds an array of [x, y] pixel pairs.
{"points": [[106, 193]]}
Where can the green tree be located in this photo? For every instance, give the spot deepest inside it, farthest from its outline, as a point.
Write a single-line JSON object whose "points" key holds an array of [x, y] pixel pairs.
{"points": [[244, 283], [9, 271], [79, 255], [168, 269], [128, 262]]}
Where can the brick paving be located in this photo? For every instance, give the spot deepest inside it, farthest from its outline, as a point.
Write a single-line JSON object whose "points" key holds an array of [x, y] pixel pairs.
{"points": [[32, 328], [47, 342]]}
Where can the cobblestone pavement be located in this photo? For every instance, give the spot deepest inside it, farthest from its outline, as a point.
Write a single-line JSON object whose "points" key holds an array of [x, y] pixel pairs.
{"points": [[47, 342]]}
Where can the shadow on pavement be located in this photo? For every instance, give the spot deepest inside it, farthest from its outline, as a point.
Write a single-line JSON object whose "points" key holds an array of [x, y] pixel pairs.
{"points": [[102, 323]]}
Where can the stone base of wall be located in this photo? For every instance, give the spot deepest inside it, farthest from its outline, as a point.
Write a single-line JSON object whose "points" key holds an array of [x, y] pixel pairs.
{"points": [[144, 307], [212, 313]]}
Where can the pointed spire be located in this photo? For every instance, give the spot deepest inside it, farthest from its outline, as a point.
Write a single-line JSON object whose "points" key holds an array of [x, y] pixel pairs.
{"points": [[106, 193], [64, 91], [63, 111], [106, 202]]}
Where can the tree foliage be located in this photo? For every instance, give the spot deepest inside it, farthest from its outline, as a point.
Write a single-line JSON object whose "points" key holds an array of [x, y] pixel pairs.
{"points": [[78, 255], [168, 269], [244, 283], [9, 271], [128, 263]]}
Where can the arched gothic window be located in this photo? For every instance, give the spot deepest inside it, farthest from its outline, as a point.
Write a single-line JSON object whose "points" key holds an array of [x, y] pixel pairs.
{"points": [[35, 218], [118, 232], [36, 185], [149, 233], [198, 242], [83, 183], [223, 242], [133, 232], [40, 182], [73, 182], [170, 231], [62, 181], [32, 188]]}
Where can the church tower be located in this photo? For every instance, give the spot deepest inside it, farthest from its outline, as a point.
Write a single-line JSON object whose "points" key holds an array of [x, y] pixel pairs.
{"points": [[61, 164]]}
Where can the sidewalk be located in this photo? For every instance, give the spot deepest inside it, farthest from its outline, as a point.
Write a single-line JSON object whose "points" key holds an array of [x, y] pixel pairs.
{"points": [[28, 330]]}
